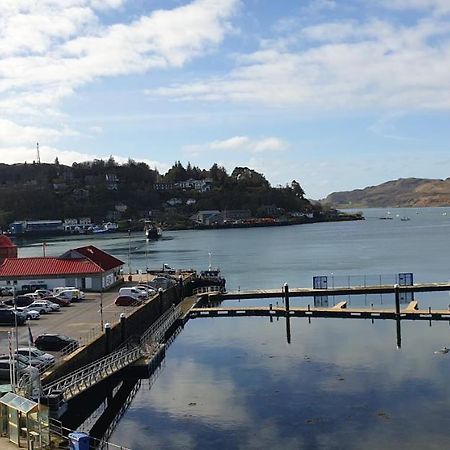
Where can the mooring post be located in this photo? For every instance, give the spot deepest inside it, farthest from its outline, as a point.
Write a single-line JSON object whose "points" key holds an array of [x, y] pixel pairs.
{"points": [[108, 343], [180, 286], [286, 296], [397, 299], [123, 332]]}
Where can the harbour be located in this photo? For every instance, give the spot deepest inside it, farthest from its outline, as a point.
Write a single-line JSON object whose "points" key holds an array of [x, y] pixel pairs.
{"points": [[256, 310]]}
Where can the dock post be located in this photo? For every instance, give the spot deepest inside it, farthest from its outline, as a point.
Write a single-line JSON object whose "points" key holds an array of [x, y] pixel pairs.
{"points": [[180, 285], [123, 332], [286, 296], [108, 343], [397, 299]]}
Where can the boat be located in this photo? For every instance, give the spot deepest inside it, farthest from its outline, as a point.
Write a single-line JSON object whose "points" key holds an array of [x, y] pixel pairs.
{"points": [[405, 219], [207, 278], [152, 232]]}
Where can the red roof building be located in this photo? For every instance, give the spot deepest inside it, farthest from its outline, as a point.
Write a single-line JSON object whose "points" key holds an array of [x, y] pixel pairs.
{"points": [[7, 248], [87, 268]]}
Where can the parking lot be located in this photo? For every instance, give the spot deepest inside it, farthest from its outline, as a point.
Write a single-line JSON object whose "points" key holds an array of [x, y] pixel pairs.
{"points": [[81, 320]]}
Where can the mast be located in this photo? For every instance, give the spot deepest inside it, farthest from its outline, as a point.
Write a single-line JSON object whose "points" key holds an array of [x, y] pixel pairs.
{"points": [[38, 154]]}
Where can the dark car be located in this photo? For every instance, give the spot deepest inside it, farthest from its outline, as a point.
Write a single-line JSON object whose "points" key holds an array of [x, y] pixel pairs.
{"points": [[127, 300], [58, 300], [54, 342], [8, 317], [21, 300]]}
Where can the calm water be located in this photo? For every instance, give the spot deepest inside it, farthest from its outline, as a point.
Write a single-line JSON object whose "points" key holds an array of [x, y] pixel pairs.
{"points": [[231, 383]]}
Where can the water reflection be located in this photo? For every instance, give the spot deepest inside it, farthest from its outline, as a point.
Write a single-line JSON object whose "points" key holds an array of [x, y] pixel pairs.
{"points": [[339, 384]]}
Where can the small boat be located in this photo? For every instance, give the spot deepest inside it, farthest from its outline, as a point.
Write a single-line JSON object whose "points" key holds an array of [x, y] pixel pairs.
{"points": [[405, 219], [152, 232], [442, 351]]}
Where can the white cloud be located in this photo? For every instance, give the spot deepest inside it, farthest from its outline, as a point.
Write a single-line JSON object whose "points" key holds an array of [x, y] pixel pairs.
{"points": [[49, 48], [27, 153], [238, 143], [438, 6], [339, 65]]}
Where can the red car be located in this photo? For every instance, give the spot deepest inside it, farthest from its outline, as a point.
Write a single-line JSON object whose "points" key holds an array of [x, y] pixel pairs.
{"points": [[58, 300], [127, 300]]}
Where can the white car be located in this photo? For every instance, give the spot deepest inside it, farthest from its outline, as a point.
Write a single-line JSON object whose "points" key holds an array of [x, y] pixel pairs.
{"points": [[31, 313], [44, 306], [43, 293]]}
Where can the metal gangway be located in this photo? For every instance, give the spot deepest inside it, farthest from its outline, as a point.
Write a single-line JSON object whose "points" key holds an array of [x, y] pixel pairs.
{"points": [[147, 346], [206, 289]]}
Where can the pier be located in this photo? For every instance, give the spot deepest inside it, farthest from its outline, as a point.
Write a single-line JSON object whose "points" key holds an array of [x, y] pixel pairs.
{"points": [[411, 312], [344, 290]]}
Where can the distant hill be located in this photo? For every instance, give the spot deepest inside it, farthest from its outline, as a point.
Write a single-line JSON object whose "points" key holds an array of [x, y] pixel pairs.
{"points": [[405, 192]]}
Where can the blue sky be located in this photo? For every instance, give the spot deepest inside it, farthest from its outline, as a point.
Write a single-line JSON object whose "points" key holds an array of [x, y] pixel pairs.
{"points": [[335, 94]]}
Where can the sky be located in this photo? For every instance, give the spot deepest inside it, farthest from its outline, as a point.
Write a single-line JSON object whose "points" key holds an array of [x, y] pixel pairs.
{"points": [[336, 94]]}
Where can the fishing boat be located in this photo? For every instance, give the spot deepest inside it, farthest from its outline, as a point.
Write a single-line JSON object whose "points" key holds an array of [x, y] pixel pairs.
{"points": [[152, 232]]}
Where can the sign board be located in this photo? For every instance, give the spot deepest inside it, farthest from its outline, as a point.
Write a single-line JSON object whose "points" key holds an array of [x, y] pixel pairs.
{"points": [[405, 279], [321, 301], [320, 282]]}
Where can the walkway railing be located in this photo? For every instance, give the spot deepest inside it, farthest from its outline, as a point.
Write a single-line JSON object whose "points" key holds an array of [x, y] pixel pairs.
{"points": [[205, 289], [91, 374]]}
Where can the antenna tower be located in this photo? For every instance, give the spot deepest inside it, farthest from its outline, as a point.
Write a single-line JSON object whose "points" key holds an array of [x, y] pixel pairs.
{"points": [[38, 155]]}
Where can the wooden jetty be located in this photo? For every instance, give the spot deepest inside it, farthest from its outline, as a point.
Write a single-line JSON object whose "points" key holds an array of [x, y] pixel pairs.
{"points": [[340, 310], [352, 290]]}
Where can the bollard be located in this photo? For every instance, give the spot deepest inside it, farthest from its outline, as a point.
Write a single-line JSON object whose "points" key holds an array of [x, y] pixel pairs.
{"points": [[397, 299], [286, 296], [180, 285], [108, 342], [309, 307], [270, 306], [123, 334], [429, 310]]}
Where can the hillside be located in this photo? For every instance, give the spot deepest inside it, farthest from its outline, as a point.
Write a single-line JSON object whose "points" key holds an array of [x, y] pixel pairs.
{"points": [[405, 192], [108, 191]]}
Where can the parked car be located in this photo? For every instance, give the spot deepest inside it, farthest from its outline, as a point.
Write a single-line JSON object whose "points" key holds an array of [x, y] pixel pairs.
{"points": [[43, 293], [33, 295], [58, 300], [6, 291], [162, 282], [30, 313], [21, 300], [25, 359], [133, 292], [44, 306], [36, 353], [55, 342], [127, 300], [22, 369], [148, 289], [8, 317]]}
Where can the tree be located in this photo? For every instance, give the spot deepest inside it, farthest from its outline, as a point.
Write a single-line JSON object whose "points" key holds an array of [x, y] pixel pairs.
{"points": [[298, 191]]}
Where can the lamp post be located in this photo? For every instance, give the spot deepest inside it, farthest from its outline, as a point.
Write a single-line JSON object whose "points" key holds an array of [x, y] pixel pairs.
{"points": [[129, 253], [146, 260]]}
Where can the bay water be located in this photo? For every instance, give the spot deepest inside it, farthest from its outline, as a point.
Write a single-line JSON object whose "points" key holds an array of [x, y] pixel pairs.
{"points": [[236, 383]]}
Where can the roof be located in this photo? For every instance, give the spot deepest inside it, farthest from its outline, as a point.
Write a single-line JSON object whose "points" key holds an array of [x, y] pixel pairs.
{"points": [[79, 261], [19, 403], [5, 242], [45, 266], [99, 257]]}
